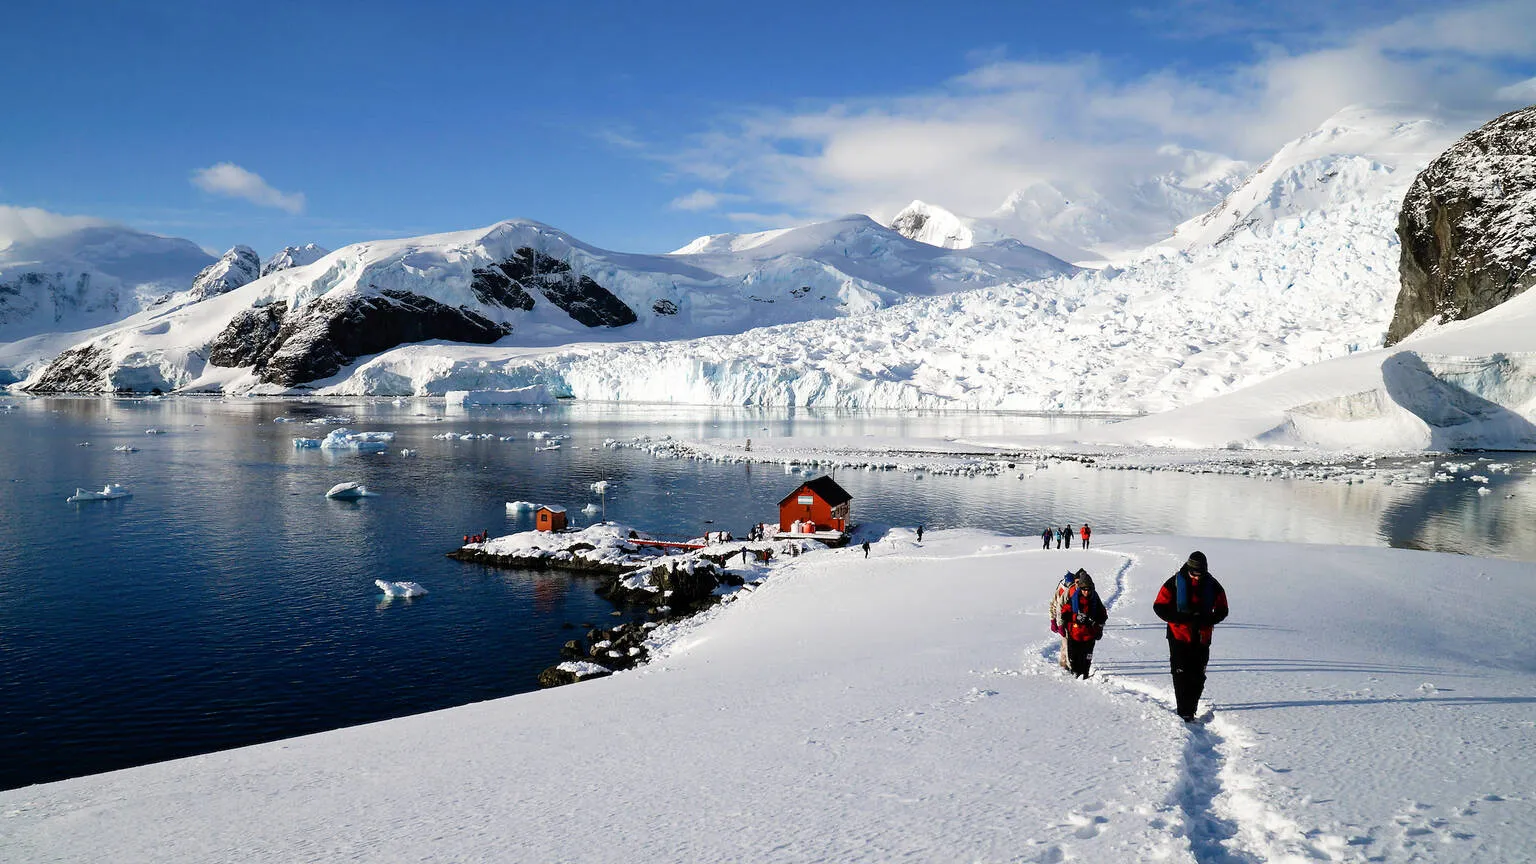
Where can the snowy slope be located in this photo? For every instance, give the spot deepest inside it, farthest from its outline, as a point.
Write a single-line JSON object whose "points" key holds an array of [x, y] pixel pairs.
{"points": [[1310, 274], [846, 267], [909, 707], [88, 277], [1464, 385]]}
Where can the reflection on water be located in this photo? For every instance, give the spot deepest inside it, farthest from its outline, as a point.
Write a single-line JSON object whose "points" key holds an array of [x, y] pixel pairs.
{"points": [[228, 601]]}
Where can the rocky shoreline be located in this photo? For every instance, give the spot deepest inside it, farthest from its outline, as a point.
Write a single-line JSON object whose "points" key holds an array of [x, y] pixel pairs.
{"points": [[667, 585]]}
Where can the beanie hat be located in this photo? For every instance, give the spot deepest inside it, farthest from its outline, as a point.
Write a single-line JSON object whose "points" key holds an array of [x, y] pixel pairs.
{"points": [[1084, 579], [1196, 562]]}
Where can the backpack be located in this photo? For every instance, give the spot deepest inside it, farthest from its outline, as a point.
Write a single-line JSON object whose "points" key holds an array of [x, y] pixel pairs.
{"points": [[1062, 588]]}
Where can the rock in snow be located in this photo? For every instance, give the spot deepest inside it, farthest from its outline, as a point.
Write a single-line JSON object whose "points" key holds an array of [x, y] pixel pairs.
{"points": [[1468, 226]]}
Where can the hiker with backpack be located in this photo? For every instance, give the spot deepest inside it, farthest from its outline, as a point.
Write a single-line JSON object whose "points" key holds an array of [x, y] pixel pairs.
{"points": [[1081, 620], [1193, 603], [1086, 533], [1066, 534], [1057, 599], [1046, 535]]}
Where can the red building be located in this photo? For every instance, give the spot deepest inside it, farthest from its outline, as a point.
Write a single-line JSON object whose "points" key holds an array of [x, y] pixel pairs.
{"points": [[820, 502], [550, 517]]}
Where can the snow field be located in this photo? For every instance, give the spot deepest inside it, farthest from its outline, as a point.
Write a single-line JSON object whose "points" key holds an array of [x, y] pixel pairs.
{"points": [[1369, 704]]}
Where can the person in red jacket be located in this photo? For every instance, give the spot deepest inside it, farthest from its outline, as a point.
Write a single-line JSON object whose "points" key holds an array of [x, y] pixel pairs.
{"points": [[1086, 534], [1193, 603], [1081, 620]]}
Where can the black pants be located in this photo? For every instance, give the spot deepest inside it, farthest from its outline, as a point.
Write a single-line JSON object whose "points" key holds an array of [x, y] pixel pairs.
{"points": [[1079, 656], [1187, 662]]}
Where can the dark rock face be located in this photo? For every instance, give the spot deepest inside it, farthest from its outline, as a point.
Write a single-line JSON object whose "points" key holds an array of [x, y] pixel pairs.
{"points": [[1468, 226], [664, 307], [493, 287], [528, 269], [329, 333], [78, 370], [246, 337]]}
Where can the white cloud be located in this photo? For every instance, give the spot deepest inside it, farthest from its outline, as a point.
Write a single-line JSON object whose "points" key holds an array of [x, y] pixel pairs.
{"points": [[23, 224], [229, 179], [1078, 123], [698, 199]]}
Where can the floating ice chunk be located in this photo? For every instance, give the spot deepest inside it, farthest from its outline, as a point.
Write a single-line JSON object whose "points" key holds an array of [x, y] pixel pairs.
{"points": [[521, 506], [600, 487], [346, 439], [349, 490], [153, 432], [108, 493], [406, 451], [551, 446], [400, 589], [125, 448], [590, 509], [306, 443]]}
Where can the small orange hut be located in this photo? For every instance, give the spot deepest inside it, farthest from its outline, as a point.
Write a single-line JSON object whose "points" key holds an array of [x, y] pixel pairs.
{"points": [[820, 503], [550, 517]]}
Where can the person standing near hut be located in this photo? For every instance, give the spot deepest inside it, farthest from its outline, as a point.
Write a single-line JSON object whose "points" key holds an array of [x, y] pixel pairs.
{"points": [[1046, 536], [1066, 533], [866, 548], [1193, 603], [919, 533], [1086, 534], [1081, 620]]}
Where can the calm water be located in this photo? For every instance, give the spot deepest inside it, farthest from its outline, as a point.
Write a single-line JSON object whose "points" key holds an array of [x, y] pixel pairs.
{"points": [[228, 602]]}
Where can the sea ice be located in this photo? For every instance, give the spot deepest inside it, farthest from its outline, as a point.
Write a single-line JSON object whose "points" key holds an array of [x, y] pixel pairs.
{"points": [[349, 490], [400, 589], [521, 506], [346, 439], [108, 493]]}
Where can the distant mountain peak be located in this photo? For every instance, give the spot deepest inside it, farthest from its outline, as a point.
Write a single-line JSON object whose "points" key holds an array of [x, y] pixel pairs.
{"points": [[239, 266], [294, 256]]}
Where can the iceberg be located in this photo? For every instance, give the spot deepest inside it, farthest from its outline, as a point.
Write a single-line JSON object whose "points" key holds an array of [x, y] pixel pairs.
{"points": [[521, 506], [306, 443], [108, 493], [125, 448], [400, 589], [346, 439], [349, 491]]}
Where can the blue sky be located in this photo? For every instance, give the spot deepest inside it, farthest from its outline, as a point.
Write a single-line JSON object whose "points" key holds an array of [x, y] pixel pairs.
{"points": [[640, 126]]}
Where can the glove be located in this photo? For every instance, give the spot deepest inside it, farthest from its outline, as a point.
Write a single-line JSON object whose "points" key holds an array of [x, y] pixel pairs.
{"points": [[1084, 620]]}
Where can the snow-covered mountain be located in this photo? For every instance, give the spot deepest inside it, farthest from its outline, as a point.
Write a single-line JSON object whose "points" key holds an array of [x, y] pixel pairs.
{"points": [[1083, 223], [293, 256], [1309, 274], [88, 277], [239, 266], [521, 284]]}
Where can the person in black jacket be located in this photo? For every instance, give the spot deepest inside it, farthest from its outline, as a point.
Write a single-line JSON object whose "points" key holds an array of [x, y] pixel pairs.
{"points": [[1193, 603]]}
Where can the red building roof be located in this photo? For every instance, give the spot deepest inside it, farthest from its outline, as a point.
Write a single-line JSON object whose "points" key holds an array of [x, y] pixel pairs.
{"points": [[825, 488]]}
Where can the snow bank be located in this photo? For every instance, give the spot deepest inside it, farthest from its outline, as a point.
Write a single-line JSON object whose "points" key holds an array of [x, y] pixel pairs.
{"points": [[400, 589], [909, 706]]}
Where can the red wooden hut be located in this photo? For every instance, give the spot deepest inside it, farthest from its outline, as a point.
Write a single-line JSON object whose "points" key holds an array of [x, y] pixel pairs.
{"points": [[550, 517], [820, 503]]}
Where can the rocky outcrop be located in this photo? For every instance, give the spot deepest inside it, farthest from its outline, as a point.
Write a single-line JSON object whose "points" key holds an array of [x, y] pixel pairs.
{"points": [[321, 337], [245, 339], [79, 370], [239, 266], [294, 256], [1468, 227], [530, 270]]}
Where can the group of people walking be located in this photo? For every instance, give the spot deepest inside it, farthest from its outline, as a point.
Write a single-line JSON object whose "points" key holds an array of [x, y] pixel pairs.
{"points": [[1063, 536], [1191, 602]]}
